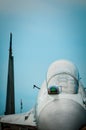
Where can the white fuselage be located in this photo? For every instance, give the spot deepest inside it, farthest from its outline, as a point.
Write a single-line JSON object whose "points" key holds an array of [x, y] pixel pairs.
{"points": [[48, 113]]}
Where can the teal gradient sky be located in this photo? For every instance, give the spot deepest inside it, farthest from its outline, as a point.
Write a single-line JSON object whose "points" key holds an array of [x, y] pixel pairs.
{"points": [[43, 31]]}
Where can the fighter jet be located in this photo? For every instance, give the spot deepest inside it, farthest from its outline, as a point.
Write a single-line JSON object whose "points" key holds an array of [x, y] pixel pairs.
{"points": [[61, 103]]}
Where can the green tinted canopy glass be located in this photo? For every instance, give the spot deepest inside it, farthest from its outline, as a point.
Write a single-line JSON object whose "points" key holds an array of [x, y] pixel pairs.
{"points": [[53, 90]]}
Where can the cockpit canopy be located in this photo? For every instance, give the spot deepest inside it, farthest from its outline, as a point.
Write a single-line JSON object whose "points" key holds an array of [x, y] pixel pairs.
{"points": [[63, 74], [53, 90]]}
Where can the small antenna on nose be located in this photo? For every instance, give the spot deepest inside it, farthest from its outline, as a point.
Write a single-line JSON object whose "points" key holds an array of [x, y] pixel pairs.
{"points": [[34, 86]]}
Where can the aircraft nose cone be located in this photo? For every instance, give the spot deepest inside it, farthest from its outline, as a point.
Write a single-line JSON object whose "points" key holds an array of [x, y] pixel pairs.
{"points": [[62, 114]]}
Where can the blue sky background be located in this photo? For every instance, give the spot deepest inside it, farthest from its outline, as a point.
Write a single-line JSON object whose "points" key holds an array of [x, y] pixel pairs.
{"points": [[43, 31]]}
